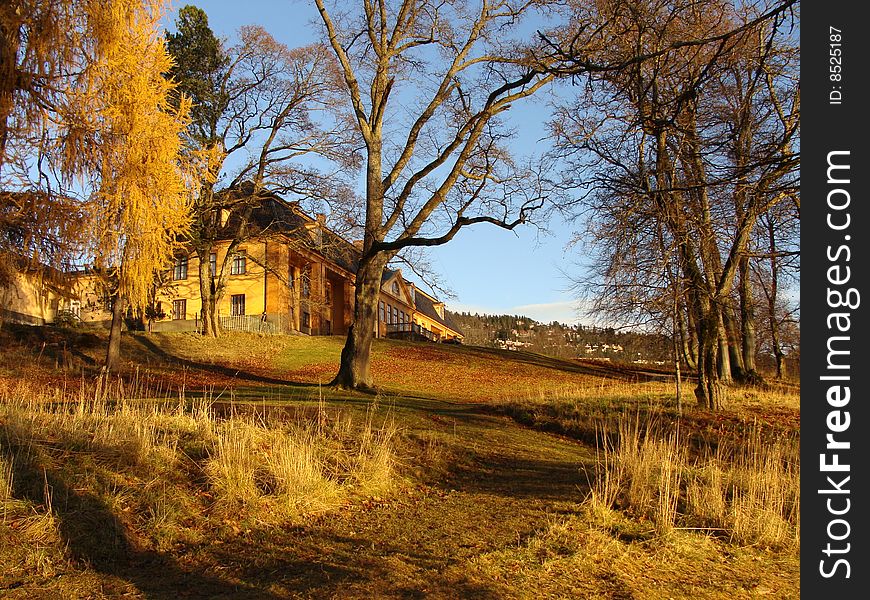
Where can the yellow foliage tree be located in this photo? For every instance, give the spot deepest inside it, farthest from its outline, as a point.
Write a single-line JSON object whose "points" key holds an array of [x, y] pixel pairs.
{"points": [[125, 136]]}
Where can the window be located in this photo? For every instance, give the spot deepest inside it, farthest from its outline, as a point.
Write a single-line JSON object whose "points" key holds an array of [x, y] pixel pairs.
{"points": [[238, 266], [395, 314], [306, 320], [212, 264], [180, 271], [328, 293], [237, 305], [389, 314], [381, 316], [396, 288], [306, 281], [179, 310]]}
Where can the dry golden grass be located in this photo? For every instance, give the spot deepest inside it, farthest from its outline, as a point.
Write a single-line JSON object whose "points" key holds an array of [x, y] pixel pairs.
{"points": [[707, 506], [276, 473], [605, 554], [163, 465], [746, 489], [6, 476], [88, 468]]}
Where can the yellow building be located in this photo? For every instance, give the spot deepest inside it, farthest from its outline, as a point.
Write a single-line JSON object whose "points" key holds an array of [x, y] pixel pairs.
{"points": [[31, 295], [405, 311], [39, 294], [291, 273]]}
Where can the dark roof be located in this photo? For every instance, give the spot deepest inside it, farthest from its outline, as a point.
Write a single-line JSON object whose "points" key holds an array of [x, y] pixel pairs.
{"points": [[271, 214], [426, 305]]}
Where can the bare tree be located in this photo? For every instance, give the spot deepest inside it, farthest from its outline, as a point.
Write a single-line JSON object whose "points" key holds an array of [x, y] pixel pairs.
{"points": [[254, 106], [774, 266], [690, 152], [428, 82]]}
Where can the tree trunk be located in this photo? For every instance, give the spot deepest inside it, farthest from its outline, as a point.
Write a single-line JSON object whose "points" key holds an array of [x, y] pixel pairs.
{"points": [[354, 371], [735, 350], [113, 351], [747, 321], [708, 391], [210, 323], [10, 24], [771, 300], [688, 335], [780, 364], [723, 350]]}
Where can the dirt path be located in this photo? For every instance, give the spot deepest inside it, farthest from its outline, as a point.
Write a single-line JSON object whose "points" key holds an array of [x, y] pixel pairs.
{"points": [[508, 483], [512, 483]]}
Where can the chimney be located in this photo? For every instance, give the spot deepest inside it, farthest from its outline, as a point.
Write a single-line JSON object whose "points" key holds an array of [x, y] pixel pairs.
{"points": [[224, 217], [321, 218], [358, 244]]}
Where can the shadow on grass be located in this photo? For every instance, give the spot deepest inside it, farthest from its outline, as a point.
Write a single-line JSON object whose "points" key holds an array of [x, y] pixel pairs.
{"points": [[522, 478], [159, 352], [320, 562], [97, 539], [263, 564]]}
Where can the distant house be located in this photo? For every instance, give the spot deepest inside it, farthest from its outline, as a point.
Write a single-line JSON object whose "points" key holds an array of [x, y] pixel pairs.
{"points": [[32, 294], [291, 273], [404, 311]]}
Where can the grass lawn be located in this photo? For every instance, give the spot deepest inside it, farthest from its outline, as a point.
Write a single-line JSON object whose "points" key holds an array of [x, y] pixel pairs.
{"points": [[228, 469]]}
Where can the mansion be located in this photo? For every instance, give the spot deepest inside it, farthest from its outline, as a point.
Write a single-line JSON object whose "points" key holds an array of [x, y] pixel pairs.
{"points": [[287, 273]]}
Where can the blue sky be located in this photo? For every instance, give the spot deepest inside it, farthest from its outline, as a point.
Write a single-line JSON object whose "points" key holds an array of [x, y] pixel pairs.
{"points": [[489, 270]]}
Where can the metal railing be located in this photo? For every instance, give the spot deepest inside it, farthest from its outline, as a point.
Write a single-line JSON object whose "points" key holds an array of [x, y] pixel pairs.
{"points": [[268, 323], [411, 331]]}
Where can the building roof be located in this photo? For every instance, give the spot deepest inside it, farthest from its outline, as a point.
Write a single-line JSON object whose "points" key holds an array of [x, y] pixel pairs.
{"points": [[274, 215], [426, 305], [271, 214]]}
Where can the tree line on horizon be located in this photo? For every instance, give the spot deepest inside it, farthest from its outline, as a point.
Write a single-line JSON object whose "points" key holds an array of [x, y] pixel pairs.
{"points": [[674, 148], [562, 340]]}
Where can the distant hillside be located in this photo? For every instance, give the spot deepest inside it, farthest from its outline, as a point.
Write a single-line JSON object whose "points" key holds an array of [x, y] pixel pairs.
{"points": [[559, 340]]}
